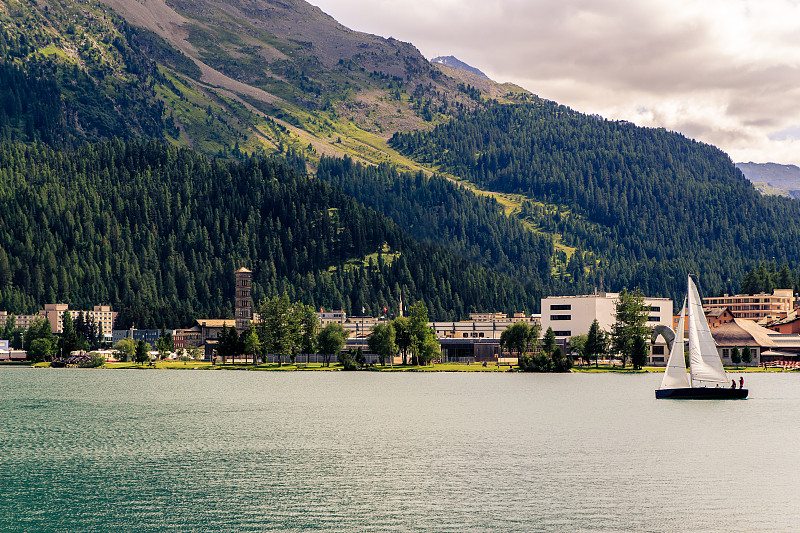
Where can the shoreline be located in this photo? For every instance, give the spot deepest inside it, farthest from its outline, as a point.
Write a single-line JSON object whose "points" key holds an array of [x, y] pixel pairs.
{"points": [[440, 367]]}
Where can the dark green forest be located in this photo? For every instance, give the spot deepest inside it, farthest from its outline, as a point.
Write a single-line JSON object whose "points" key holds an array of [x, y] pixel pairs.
{"points": [[158, 231], [650, 205], [436, 210], [768, 277]]}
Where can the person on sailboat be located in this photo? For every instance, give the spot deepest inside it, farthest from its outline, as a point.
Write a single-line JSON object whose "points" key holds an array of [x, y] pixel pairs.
{"points": [[733, 383], [741, 382]]}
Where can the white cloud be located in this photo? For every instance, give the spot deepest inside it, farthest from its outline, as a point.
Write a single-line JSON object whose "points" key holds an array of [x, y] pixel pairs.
{"points": [[725, 72]]}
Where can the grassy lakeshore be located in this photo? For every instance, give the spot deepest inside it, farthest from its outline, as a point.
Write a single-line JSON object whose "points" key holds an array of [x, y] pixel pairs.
{"points": [[334, 367]]}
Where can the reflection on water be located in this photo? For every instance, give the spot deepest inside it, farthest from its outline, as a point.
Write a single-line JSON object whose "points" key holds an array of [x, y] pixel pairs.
{"points": [[101, 450]]}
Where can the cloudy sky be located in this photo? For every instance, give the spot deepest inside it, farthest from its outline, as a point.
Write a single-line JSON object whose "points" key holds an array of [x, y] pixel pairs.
{"points": [[725, 72]]}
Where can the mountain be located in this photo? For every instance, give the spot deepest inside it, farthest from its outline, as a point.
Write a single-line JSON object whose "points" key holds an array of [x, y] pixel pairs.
{"points": [[645, 206], [341, 92], [501, 197], [772, 178], [454, 62], [225, 77], [158, 231], [98, 76]]}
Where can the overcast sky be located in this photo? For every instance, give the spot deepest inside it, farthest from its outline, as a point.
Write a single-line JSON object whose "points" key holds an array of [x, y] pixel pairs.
{"points": [[725, 72]]}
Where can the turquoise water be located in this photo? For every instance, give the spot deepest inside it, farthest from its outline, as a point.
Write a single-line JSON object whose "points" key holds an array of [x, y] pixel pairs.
{"points": [[102, 450]]}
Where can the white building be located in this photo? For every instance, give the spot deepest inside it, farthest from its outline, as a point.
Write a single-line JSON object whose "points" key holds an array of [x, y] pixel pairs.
{"points": [[573, 315], [328, 317]]}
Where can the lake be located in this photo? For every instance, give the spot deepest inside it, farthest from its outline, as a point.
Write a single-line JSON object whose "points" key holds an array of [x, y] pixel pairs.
{"points": [[128, 450]]}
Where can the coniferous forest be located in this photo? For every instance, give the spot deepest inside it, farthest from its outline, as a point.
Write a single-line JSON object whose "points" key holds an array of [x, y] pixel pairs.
{"points": [[158, 231], [436, 210], [650, 205]]}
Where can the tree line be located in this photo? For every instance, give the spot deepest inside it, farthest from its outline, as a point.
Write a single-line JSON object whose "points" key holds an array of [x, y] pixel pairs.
{"points": [[288, 330], [437, 210], [767, 277]]}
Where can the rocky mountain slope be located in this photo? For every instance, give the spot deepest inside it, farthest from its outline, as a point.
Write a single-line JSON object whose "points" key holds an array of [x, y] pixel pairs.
{"points": [[772, 178], [341, 91], [452, 61], [229, 77]]}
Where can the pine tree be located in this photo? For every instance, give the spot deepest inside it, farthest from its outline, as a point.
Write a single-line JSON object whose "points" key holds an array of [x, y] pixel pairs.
{"points": [[747, 355], [69, 338], [736, 356]]}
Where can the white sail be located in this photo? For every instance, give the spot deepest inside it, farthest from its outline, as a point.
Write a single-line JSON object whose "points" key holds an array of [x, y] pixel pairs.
{"points": [[706, 365], [675, 376]]}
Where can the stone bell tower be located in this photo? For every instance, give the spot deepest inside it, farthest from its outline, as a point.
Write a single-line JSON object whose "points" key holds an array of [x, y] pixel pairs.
{"points": [[244, 302]]}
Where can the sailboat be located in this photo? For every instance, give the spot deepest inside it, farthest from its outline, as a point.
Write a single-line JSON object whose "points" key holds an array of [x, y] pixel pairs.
{"points": [[706, 379]]}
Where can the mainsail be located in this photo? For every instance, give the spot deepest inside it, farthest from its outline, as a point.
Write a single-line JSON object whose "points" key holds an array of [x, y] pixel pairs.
{"points": [[705, 363], [675, 376]]}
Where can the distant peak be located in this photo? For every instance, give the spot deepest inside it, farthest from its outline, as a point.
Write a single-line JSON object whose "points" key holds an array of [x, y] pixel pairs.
{"points": [[454, 62]]}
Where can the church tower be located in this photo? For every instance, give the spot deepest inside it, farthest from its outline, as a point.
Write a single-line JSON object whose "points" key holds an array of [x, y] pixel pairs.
{"points": [[244, 303]]}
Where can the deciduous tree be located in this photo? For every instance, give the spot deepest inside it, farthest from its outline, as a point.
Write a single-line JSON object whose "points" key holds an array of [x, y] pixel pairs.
{"points": [[250, 343], [520, 338], [125, 350], [382, 342], [331, 340]]}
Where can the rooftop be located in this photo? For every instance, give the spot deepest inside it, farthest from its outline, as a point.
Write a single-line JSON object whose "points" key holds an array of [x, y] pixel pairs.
{"points": [[216, 322], [606, 295]]}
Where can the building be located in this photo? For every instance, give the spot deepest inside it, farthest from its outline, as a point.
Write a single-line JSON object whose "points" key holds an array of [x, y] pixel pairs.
{"points": [[755, 306], [573, 315], [717, 316], [102, 314], [20, 321], [487, 317], [765, 345], [331, 317], [9, 354], [209, 329], [785, 324], [187, 338], [150, 336], [243, 302]]}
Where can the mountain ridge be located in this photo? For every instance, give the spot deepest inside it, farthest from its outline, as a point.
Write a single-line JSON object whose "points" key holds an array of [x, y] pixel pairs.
{"points": [[773, 178], [379, 102], [452, 61]]}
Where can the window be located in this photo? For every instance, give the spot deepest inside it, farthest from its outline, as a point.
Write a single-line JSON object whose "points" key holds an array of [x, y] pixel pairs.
{"points": [[560, 317], [654, 319], [726, 353], [658, 359], [655, 308], [658, 350], [561, 307], [562, 333]]}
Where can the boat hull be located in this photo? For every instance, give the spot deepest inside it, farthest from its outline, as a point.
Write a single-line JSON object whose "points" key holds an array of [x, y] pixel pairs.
{"points": [[701, 393]]}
